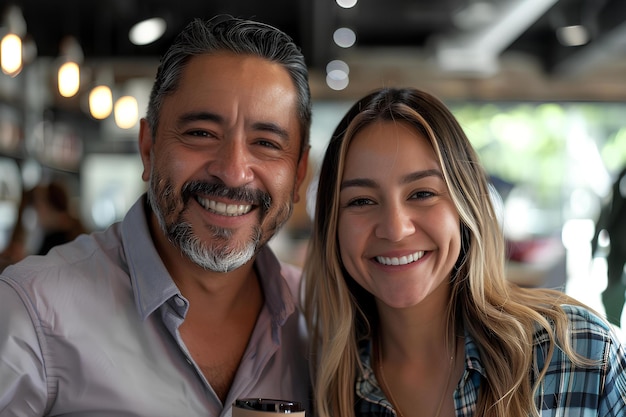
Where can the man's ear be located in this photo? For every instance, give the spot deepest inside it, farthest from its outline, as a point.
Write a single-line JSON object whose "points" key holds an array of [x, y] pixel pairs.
{"points": [[301, 172], [146, 142]]}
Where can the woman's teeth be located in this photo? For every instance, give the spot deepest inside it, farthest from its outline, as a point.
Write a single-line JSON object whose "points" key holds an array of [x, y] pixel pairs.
{"points": [[224, 209], [403, 260]]}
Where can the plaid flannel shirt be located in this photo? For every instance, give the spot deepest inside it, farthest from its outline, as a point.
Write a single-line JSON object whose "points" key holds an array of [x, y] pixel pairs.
{"points": [[566, 390]]}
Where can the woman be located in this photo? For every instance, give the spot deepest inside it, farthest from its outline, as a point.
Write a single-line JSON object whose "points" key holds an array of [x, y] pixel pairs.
{"points": [[406, 295]]}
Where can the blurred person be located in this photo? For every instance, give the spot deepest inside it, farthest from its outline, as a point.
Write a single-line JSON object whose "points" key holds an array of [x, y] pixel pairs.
{"points": [[612, 221], [180, 308], [55, 217], [409, 309], [52, 222], [18, 246]]}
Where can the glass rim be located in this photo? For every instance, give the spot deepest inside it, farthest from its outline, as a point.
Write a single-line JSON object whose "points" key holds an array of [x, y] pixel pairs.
{"points": [[269, 404]]}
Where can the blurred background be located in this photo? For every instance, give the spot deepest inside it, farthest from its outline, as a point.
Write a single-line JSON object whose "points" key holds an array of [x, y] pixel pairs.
{"points": [[538, 85]]}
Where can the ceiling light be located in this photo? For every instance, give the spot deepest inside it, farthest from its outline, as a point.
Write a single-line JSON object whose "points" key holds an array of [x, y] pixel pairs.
{"points": [[337, 80], [347, 4], [100, 102], [126, 112], [575, 35], [337, 74], [69, 79], [344, 37], [11, 54], [11, 47], [338, 65], [71, 55], [147, 31]]}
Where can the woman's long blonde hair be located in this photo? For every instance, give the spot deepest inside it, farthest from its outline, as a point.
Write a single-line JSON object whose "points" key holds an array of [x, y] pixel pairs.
{"points": [[500, 316]]}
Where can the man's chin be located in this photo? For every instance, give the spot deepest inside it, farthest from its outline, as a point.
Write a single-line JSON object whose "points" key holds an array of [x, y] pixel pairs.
{"points": [[222, 263], [216, 253]]}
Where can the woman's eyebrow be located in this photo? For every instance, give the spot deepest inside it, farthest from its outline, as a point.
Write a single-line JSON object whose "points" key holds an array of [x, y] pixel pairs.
{"points": [[418, 175], [358, 182], [370, 183]]}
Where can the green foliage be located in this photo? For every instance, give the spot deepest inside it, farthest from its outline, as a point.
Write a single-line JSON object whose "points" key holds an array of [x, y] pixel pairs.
{"points": [[534, 144]]}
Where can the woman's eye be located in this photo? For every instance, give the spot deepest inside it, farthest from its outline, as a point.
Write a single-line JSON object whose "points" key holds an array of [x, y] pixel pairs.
{"points": [[358, 202], [422, 195]]}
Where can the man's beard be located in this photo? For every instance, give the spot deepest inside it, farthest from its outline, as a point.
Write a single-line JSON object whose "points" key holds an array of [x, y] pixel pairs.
{"points": [[216, 255], [218, 258]]}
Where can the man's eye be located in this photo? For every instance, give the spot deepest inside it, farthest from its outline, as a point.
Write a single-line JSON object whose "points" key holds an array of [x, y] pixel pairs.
{"points": [[199, 133], [268, 144]]}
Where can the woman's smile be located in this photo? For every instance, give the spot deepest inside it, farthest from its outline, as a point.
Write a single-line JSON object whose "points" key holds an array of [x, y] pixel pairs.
{"points": [[402, 260]]}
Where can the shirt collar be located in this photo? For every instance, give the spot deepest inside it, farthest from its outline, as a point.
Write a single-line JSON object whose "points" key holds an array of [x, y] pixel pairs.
{"points": [[367, 386], [279, 298], [152, 284]]}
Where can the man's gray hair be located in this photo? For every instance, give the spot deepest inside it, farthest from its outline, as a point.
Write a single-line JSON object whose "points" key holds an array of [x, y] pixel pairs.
{"points": [[246, 37]]}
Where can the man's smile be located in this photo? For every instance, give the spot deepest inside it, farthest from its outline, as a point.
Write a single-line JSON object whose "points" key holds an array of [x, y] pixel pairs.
{"points": [[223, 208]]}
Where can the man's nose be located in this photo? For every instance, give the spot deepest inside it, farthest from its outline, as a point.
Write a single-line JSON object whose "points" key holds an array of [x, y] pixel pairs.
{"points": [[232, 164]]}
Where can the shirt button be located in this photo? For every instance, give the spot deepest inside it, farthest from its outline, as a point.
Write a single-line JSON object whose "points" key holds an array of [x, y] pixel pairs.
{"points": [[179, 301]]}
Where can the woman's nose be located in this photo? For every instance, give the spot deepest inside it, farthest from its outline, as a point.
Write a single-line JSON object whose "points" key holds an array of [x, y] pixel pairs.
{"points": [[395, 224]]}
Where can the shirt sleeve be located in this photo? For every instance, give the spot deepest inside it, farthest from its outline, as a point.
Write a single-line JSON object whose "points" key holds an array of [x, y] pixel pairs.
{"points": [[23, 388], [613, 398]]}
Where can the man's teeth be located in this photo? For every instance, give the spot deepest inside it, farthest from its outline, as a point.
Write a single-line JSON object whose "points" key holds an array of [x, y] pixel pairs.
{"points": [[403, 260], [225, 209]]}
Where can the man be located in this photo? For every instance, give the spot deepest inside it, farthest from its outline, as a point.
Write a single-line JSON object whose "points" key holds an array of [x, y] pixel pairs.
{"points": [[181, 308]]}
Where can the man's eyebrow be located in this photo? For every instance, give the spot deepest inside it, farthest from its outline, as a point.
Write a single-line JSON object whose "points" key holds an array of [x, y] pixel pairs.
{"points": [[272, 128], [200, 115], [213, 117], [369, 183]]}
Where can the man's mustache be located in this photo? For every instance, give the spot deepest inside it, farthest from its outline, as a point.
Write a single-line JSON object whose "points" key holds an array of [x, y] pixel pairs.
{"points": [[244, 194]]}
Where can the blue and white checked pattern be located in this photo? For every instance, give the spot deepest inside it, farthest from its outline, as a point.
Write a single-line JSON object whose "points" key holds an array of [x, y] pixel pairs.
{"points": [[567, 390]]}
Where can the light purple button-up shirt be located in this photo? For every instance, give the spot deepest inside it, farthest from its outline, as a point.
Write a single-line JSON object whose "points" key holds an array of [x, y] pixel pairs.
{"points": [[92, 330]]}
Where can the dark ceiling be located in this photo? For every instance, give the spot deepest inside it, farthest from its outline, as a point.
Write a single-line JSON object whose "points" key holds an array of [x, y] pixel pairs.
{"points": [[102, 26], [417, 25]]}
